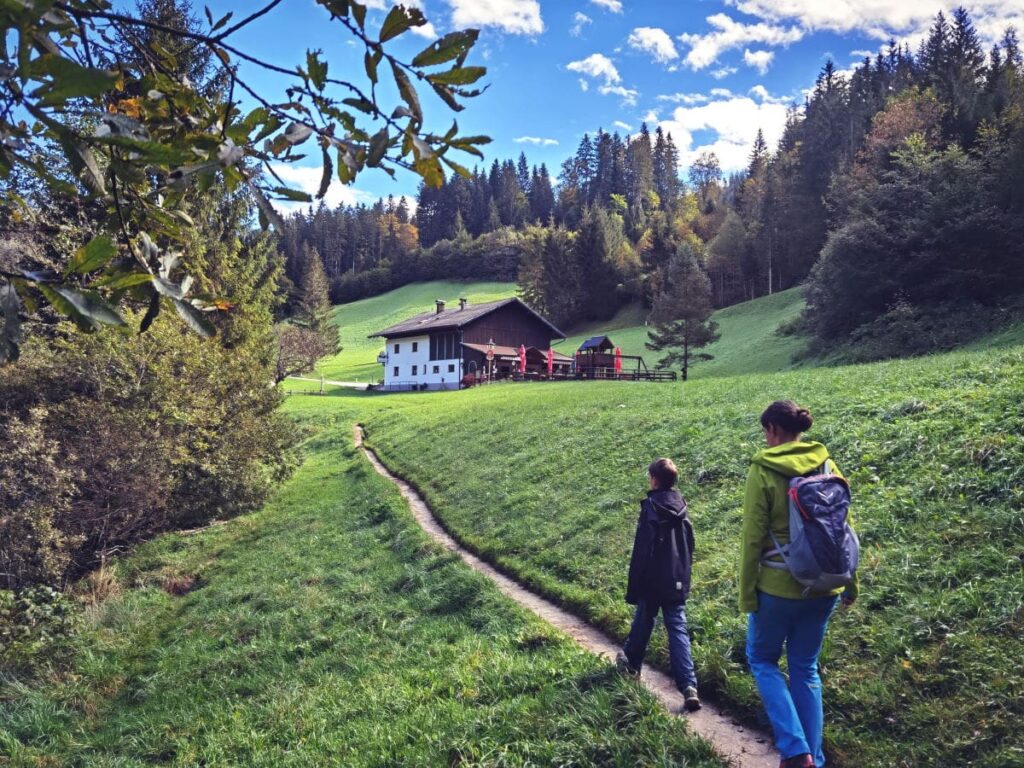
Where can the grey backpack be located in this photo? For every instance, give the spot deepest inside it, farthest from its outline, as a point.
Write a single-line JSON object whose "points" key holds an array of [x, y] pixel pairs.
{"points": [[823, 550]]}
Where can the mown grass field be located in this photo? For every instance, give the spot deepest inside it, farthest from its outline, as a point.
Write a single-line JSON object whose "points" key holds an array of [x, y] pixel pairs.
{"points": [[358, 360], [327, 630], [544, 480]]}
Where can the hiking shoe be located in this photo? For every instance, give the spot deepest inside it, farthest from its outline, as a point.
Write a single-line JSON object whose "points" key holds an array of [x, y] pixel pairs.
{"points": [[691, 701], [799, 761], [623, 667]]}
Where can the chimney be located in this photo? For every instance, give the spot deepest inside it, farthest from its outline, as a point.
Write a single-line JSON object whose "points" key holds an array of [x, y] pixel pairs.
{"points": [[440, 306], [462, 303]]}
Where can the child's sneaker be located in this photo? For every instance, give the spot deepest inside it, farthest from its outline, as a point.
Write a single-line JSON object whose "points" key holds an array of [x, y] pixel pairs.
{"points": [[623, 667], [799, 761], [691, 701]]}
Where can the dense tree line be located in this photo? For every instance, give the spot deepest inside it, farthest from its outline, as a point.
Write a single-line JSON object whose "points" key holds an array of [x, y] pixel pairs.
{"points": [[897, 191]]}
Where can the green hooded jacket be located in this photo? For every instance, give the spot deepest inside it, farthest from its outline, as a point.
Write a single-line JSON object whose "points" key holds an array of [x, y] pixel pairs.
{"points": [[766, 505]]}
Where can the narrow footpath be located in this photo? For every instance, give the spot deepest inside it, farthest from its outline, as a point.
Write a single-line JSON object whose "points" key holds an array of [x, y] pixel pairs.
{"points": [[741, 746]]}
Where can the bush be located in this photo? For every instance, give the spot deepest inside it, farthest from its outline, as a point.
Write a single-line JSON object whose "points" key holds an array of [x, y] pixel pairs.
{"points": [[353, 286], [37, 626], [119, 437]]}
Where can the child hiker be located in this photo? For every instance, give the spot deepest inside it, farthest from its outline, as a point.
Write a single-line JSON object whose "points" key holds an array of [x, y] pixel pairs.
{"points": [[659, 580]]}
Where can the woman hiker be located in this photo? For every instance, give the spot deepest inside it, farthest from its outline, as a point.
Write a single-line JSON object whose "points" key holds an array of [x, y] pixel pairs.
{"points": [[781, 610]]}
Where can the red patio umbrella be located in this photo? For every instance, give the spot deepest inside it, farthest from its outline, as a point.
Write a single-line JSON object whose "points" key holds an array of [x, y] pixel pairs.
{"points": [[618, 360], [522, 359], [551, 361]]}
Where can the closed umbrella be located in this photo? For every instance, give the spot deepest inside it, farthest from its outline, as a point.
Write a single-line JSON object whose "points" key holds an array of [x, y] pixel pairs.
{"points": [[522, 359], [618, 361], [551, 361]]}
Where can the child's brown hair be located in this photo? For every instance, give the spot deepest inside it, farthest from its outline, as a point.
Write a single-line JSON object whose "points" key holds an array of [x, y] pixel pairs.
{"points": [[664, 472]]}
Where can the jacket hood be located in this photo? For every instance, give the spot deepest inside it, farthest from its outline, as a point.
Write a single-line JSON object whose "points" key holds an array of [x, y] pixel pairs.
{"points": [[792, 459], [668, 504]]}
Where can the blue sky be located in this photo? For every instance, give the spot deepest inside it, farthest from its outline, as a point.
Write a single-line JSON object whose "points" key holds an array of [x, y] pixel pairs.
{"points": [[709, 71]]}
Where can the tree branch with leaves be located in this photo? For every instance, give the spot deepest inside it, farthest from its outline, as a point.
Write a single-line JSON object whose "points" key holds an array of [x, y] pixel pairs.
{"points": [[137, 135]]}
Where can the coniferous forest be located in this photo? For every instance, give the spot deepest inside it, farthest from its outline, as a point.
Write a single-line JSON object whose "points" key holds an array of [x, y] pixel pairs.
{"points": [[894, 195]]}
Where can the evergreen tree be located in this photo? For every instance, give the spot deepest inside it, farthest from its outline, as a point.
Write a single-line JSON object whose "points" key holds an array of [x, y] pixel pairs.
{"points": [[682, 315], [313, 310]]}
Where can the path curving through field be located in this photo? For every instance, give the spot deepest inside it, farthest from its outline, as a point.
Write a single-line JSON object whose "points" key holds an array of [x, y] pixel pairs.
{"points": [[742, 747]]}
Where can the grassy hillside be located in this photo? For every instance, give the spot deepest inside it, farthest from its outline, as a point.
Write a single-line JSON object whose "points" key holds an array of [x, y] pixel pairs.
{"points": [[749, 343], [327, 630], [923, 670], [358, 359]]}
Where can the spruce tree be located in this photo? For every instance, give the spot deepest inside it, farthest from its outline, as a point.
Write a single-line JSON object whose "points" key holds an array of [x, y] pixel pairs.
{"points": [[682, 314], [313, 310]]}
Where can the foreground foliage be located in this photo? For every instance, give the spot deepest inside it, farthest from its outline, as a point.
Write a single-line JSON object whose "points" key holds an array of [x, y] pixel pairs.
{"points": [[326, 629], [923, 670]]}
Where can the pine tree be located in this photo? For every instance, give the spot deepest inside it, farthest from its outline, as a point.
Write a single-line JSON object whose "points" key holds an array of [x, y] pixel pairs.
{"points": [[682, 315]]}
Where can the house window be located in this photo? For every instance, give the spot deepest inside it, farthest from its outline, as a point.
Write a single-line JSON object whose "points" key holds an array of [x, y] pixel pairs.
{"points": [[437, 369], [444, 346], [396, 372], [451, 367], [415, 346], [415, 370], [396, 348]]}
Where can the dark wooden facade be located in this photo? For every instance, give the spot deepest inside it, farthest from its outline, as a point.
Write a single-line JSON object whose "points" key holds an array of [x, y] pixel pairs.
{"points": [[509, 326]]}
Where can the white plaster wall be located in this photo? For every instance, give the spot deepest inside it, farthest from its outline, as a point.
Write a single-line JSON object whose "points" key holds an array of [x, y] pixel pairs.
{"points": [[405, 359]]}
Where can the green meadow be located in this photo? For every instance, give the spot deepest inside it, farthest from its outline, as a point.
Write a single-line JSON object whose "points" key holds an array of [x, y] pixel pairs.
{"points": [[544, 480], [327, 630]]}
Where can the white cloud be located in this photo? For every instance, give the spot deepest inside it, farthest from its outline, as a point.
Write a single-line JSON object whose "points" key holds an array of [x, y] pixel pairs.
{"points": [[761, 93], [596, 65], [307, 178], [654, 41], [729, 34], [860, 53], [536, 140], [723, 72], [622, 125], [615, 6], [517, 17], [906, 20], [628, 95], [579, 21], [427, 30], [759, 60], [721, 93], [685, 98], [584, 85], [732, 124]]}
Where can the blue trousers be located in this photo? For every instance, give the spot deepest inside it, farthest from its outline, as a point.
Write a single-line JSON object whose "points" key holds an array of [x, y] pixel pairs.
{"points": [[795, 710], [679, 656]]}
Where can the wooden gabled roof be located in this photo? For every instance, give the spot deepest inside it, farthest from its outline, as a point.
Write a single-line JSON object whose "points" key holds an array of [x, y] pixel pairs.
{"points": [[456, 318]]}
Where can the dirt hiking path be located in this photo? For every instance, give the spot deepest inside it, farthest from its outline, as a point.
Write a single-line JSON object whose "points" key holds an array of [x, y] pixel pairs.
{"points": [[742, 747]]}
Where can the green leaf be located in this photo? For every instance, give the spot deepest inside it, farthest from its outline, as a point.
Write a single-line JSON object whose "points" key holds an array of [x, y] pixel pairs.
{"points": [[325, 180], [293, 194], [81, 305], [10, 339], [370, 61], [458, 76], [122, 280], [69, 80], [378, 146], [195, 319], [449, 47], [95, 254], [398, 20], [407, 92], [459, 169], [316, 68], [296, 133]]}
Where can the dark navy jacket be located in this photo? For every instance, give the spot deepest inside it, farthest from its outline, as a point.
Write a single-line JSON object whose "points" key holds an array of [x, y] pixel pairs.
{"points": [[659, 569]]}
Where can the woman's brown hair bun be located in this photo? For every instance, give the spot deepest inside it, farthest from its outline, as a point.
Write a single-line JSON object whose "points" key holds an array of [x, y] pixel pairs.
{"points": [[788, 417]]}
